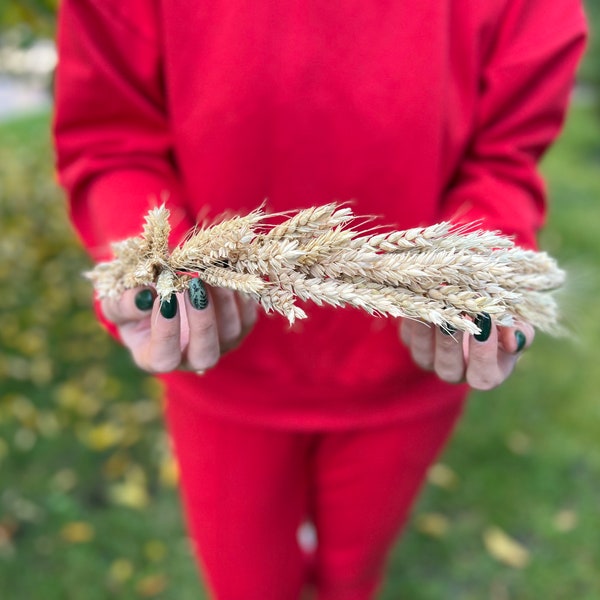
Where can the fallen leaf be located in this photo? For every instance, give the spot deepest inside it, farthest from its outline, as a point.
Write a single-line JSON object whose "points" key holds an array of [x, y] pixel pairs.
{"points": [[169, 471], [151, 585], [505, 549], [443, 476], [77, 532], [432, 524], [565, 520], [155, 550], [101, 437], [120, 570], [132, 491]]}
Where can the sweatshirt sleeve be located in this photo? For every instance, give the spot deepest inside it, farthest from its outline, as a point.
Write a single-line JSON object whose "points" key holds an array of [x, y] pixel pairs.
{"points": [[112, 137], [524, 90]]}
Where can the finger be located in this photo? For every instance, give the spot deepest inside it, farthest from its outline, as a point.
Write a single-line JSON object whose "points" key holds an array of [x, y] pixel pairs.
{"points": [[248, 311], [483, 370], [405, 331], [449, 362], [422, 344], [203, 349], [516, 339], [229, 323], [133, 305], [163, 353]]}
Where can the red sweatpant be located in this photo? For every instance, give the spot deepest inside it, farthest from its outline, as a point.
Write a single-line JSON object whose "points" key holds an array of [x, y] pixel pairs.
{"points": [[246, 491]]}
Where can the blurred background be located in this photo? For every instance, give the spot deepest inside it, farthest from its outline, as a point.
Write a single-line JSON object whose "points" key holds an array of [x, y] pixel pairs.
{"points": [[88, 501]]}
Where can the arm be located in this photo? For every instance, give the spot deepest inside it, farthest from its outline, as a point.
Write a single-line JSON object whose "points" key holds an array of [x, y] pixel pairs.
{"points": [[115, 159], [525, 85], [113, 144]]}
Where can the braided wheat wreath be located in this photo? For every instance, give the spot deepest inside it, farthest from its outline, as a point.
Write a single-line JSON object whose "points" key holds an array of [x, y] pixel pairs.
{"points": [[443, 274]]}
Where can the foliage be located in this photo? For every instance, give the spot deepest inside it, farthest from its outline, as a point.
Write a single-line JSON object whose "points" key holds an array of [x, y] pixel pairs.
{"points": [[37, 15], [82, 451]]}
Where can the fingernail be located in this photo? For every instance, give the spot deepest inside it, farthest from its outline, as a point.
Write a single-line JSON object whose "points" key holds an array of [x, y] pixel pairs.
{"points": [[144, 299], [198, 294], [168, 308], [484, 322], [447, 329], [521, 340]]}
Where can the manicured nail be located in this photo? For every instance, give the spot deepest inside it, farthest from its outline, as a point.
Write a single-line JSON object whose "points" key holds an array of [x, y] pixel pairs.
{"points": [[484, 322], [447, 329], [198, 294], [144, 299], [168, 308], [521, 340]]}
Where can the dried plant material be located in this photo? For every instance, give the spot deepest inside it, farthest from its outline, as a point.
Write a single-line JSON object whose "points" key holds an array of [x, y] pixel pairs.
{"points": [[444, 274]]}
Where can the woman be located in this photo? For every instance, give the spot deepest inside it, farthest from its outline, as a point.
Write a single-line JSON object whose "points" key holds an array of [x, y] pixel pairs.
{"points": [[419, 112]]}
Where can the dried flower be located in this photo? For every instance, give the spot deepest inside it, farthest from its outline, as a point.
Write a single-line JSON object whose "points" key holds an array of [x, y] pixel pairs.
{"points": [[442, 274]]}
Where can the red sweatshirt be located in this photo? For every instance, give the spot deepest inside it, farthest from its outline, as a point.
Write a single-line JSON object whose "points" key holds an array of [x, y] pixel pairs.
{"points": [[418, 111]]}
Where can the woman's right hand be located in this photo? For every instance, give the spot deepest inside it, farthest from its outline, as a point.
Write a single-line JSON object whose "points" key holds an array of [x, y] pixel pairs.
{"points": [[190, 331]]}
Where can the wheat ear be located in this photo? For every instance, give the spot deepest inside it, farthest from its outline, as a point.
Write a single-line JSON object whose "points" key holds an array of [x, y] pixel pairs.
{"points": [[441, 274]]}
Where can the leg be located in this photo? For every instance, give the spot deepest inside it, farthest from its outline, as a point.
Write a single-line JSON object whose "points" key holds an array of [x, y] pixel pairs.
{"points": [[244, 490], [366, 482]]}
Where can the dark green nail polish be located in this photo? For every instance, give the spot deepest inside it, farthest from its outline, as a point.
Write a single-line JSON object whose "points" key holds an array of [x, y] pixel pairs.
{"points": [[521, 340], [168, 308], [198, 294], [447, 329], [484, 322], [144, 299]]}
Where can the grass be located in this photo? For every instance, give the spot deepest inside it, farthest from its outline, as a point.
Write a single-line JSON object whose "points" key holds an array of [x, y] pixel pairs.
{"points": [[88, 507]]}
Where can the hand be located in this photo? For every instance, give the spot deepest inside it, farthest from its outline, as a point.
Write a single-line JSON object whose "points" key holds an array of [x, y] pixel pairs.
{"points": [[483, 361], [191, 331]]}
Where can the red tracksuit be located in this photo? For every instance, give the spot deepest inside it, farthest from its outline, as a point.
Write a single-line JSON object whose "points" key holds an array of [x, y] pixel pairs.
{"points": [[417, 112]]}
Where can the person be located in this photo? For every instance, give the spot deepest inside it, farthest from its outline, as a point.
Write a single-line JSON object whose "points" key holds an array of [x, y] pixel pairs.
{"points": [[418, 112]]}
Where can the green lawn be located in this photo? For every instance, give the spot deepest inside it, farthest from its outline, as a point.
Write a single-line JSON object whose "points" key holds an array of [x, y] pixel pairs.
{"points": [[88, 508]]}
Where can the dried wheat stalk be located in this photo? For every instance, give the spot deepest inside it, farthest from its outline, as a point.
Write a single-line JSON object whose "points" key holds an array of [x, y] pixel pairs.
{"points": [[442, 274]]}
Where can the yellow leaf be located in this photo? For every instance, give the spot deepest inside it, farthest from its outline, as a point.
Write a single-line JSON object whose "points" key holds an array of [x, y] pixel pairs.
{"points": [[505, 549], [77, 532], [565, 520], [152, 585], [120, 570], [116, 465], [442, 476], [155, 550], [432, 524], [169, 471], [132, 492], [102, 437]]}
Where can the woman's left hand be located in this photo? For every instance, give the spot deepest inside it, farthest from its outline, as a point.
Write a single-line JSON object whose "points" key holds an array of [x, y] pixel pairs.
{"points": [[483, 361]]}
